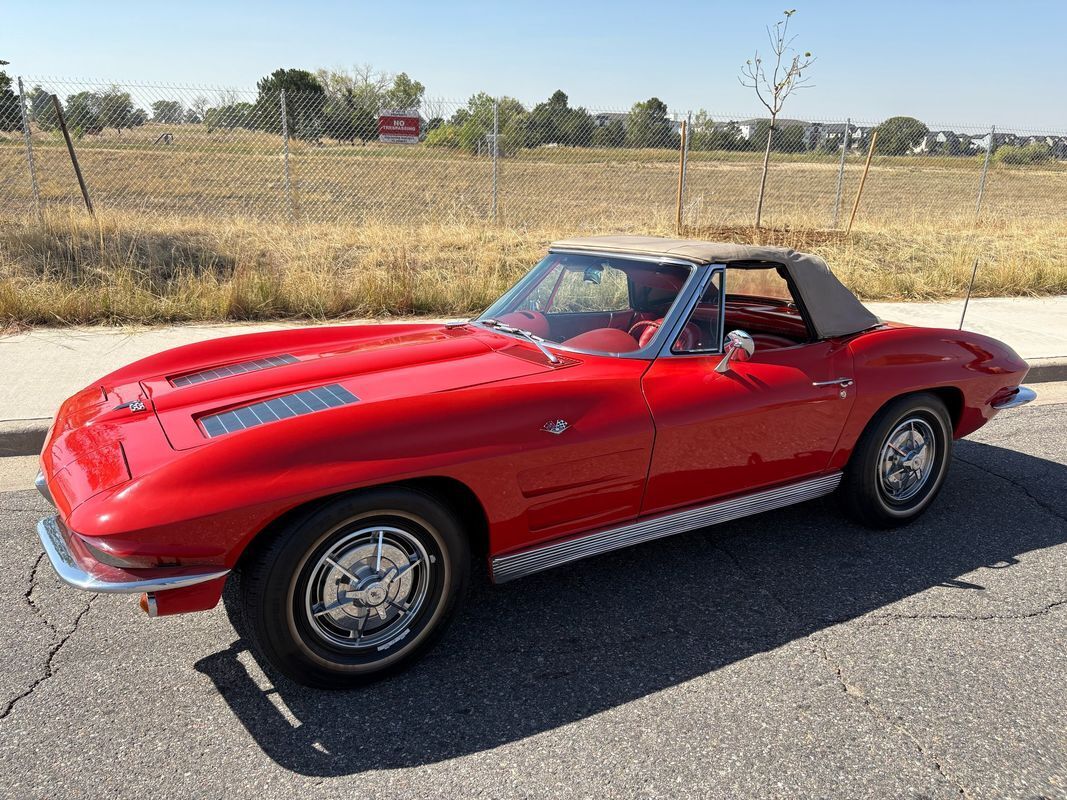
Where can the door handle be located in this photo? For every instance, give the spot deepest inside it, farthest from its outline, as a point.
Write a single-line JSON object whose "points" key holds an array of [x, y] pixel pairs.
{"points": [[842, 382]]}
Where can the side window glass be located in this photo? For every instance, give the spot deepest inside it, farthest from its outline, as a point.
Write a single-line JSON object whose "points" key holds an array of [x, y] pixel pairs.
{"points": [[702, 330]]}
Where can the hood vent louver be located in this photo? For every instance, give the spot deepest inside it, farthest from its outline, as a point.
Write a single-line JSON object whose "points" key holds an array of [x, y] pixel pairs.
{"points": [[240, 368], [290, 405]]}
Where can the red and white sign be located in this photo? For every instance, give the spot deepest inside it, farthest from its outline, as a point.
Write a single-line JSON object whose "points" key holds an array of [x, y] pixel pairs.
{"points": [[398, 126]]}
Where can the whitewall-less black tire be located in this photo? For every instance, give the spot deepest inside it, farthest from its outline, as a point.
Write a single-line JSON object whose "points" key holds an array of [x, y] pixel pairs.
{"points": [[355, 590], [900, 462]]}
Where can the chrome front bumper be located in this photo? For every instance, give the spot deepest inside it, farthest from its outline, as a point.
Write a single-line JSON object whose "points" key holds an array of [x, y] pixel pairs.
{"points": [[92, 576], [1020, 397], [42, 487]]}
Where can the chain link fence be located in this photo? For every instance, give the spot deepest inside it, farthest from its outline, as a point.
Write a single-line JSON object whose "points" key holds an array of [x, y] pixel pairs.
{"points": [[316, 157]]}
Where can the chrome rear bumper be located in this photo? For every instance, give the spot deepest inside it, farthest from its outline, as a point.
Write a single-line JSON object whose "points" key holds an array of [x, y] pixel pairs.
{"points": [[92, 576], [1020, 397]]}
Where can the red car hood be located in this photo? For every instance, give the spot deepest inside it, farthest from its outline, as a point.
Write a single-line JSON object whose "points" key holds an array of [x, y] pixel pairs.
{"points": [[99, 440], [375, 365]]}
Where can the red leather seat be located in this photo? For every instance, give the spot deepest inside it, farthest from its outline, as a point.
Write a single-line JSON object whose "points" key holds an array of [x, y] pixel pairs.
{"points": [[603, 340]]}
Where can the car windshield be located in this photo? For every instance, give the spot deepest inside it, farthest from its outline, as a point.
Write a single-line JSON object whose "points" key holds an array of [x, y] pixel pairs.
{"points": [[590, 303]]}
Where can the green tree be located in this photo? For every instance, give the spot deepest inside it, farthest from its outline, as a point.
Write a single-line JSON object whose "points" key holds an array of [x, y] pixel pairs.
{"points": [[229, 116], [115, 109], [706, 134], [168, 111], [471, 127], [613, 134], [404, 94], [349, 117], [787, 75], [42, 109], [785, 138], [647, 125], [898, 135], [555, 122], [305, 102], [10, 113], [82, 113]]}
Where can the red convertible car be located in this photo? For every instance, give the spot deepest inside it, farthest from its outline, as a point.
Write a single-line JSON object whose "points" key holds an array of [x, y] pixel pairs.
{"points": [[626, 389]]}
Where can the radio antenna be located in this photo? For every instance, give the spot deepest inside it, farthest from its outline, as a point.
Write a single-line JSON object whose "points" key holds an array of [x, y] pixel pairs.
{"points": [[970, 286]]}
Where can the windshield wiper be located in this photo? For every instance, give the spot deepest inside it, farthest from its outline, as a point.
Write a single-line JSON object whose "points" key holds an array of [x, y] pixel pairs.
{"points": [[533, 338]]}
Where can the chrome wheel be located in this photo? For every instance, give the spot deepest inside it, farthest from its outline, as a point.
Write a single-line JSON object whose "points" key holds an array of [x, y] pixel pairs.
{"points": [[365, 590], [907, 459]]}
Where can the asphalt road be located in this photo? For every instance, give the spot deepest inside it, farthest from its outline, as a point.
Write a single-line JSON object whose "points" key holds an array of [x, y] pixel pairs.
{"points": [[791, 655]]}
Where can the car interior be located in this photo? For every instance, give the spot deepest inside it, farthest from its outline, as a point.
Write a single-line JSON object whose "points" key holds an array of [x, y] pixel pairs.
{"points": [[614, 305]]}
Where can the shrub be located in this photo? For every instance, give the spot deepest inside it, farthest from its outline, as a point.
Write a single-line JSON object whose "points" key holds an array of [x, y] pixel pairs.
{"points": [[1021, 155], [443, 136]]}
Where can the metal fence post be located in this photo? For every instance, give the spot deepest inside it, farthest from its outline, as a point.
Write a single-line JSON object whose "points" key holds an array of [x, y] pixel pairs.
{"points": [[29, 148], [285, 145], [682, 147], [73, 156], [687, 135], [841, 171], [985, 172], [496, 153]]}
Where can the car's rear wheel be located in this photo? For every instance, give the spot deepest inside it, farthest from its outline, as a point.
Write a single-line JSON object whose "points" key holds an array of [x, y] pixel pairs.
{"points": [[900, 462], [355, 590]]}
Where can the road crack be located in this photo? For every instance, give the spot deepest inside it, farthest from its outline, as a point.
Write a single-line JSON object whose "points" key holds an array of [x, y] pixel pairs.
{"points": [[1048, 609], [61, 639], [27, 596], [852, 690], [1021, 486], [856, 693]]}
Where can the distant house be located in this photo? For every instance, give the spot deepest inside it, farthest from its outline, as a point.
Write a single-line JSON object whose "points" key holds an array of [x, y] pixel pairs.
{"points": [[827, 135], [935, 141], [747, 127], [605, 118]]}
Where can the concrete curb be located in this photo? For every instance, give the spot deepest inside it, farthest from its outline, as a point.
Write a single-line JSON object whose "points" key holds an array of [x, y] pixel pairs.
{"points": [[25, 437], [1046, 370]]}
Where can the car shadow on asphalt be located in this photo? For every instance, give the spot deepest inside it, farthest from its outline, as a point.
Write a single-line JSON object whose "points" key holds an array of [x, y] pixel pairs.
{"points": [[556, 648]]}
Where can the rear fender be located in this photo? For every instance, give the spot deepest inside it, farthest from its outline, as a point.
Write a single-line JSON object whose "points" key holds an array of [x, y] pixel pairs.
{"points": [[966, 367]]}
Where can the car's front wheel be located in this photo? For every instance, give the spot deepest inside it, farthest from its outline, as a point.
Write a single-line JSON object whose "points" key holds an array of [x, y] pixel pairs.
{"points": [[355, 590], [900, 462]]}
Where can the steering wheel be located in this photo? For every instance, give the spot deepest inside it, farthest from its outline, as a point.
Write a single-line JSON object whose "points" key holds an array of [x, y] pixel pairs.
{"points": [[532, 321], [645, 331]]}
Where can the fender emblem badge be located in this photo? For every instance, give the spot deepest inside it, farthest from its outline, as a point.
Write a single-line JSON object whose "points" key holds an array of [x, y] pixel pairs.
{"points": [[134, 406], [556, 426]]}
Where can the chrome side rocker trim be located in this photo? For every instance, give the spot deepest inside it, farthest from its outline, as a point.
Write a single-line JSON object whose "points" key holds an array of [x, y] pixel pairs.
{"points": [[535, 559]]}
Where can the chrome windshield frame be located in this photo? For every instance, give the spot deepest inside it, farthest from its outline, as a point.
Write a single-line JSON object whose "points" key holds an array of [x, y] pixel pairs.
{"points": [[685, 298]]}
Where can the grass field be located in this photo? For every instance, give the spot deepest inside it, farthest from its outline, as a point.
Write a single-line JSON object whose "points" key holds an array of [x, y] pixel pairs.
{"points": [[200, 230]]}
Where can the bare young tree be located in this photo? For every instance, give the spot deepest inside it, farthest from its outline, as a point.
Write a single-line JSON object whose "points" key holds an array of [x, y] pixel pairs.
{"points": [[772, 92]]}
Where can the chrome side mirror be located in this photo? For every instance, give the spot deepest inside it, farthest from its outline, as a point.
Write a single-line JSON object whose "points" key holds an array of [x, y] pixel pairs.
{"points": [[739, 346]]}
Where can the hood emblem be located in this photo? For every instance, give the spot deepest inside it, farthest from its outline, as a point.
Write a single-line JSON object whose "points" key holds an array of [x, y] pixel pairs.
{"points": [[556, 426]]}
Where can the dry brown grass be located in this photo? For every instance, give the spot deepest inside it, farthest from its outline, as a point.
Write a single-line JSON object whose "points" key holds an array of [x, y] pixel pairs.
{"points": [[239, 173], [192, 231], [127, 267]]}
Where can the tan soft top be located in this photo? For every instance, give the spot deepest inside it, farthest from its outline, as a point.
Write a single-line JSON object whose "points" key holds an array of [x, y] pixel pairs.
{"points": [[833, 310]]}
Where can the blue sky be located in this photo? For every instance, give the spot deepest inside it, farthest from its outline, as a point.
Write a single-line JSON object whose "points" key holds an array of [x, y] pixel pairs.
{"points": [[942, 61]]}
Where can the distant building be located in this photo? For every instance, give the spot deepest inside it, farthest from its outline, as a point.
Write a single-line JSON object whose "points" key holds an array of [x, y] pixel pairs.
{"points": [[747, 127], [605, 118]]}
